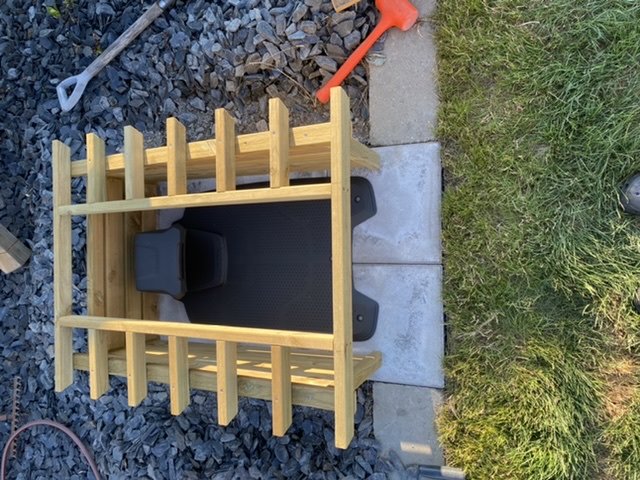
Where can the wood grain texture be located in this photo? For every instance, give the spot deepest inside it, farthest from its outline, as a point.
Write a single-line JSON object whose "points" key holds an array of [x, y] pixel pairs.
{"points": [[225, 151], [176, 158], [340, 5], [178, 374], [263, 336], [62, 262], [136, 368], [279, 143], [341, 265], [134, 163], [227, 381], [238, 197]]}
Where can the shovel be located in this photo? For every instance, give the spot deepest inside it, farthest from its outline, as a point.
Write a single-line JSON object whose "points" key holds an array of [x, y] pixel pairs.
{"points": [[79, 82]]}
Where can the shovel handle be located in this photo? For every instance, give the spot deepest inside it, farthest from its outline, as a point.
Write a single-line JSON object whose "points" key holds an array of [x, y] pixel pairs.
{"points": [[80, 81]]}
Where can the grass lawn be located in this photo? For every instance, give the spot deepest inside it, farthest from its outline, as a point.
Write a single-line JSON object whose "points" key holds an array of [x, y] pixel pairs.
{"points": [[540, 122]]}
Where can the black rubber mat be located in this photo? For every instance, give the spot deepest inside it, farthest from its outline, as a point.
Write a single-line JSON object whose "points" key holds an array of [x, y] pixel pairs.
{"points": [[279, 265]]}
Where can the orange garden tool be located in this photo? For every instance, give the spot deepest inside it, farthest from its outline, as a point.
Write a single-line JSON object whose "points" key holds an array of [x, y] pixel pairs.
{"points": [[393, 13]]}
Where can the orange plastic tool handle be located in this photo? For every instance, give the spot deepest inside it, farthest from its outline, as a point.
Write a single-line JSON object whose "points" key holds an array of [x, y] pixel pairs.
{"points": [[353, 60]]}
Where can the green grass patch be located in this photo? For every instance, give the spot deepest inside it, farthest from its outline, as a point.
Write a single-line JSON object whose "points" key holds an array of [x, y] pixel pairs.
{"points": [[540, 122]]}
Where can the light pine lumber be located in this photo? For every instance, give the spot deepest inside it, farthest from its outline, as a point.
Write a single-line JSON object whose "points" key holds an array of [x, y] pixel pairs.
{"points": [[178, 374], [133, 190], [13, 253], [97, 340], [309, 151], [263, 336], [238, 197], [279, 143], [114, 261], [281, 389], [62, 262], [176, 158], [136, 368], [225, 151], [341, 266], [307, 395], [134, 163], [149, 223], [227, 380]]}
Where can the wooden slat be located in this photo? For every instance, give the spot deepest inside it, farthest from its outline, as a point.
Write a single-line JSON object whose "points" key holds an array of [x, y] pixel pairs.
{"points": [[340, 5], [311, 379], [307, 395], [133, 189], [13, 253], [114, 261], [341, 265], [136, 368], [133, 297], [238, 197], [227, 381], [97, 341], [279, 146], [225, 151], [149, 223], [177, 157], [134, 163], [178, 374], [249, 148], [281, 389], [62, 262], [263, 336]]}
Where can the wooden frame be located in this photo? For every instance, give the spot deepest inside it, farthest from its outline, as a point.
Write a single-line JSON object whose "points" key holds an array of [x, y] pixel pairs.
{"points": [[314, 369]]}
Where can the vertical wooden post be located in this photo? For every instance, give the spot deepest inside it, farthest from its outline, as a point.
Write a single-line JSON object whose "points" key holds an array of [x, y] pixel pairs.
{"points": [[178, 374], [98, 347], [341, 265], [227, 378], [280, 389], [62, 265], [225, 151], [136, 368], [114, 261], [133, 188], [278, 143], [177, 158]]}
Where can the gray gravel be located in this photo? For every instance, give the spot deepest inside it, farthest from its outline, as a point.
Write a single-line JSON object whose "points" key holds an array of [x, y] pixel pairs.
{"points": [[199, 56]]}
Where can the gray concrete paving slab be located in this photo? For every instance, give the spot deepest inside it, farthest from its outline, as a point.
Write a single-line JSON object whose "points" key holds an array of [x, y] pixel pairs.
{"points": [[410, 332], [404, 421], [408, 189], [403, 92]]}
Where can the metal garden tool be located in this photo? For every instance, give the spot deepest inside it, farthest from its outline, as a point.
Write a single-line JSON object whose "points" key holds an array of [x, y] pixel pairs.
{"points": [[393, 13], [79, 82]]}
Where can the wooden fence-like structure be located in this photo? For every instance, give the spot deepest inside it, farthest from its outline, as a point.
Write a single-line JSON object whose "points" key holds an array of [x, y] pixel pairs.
{"points": [[124, 336]]}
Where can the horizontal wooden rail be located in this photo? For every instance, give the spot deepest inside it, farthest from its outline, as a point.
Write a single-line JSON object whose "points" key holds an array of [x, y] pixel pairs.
{"points": [[237, 197], [261, 336], [306, 142]]}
